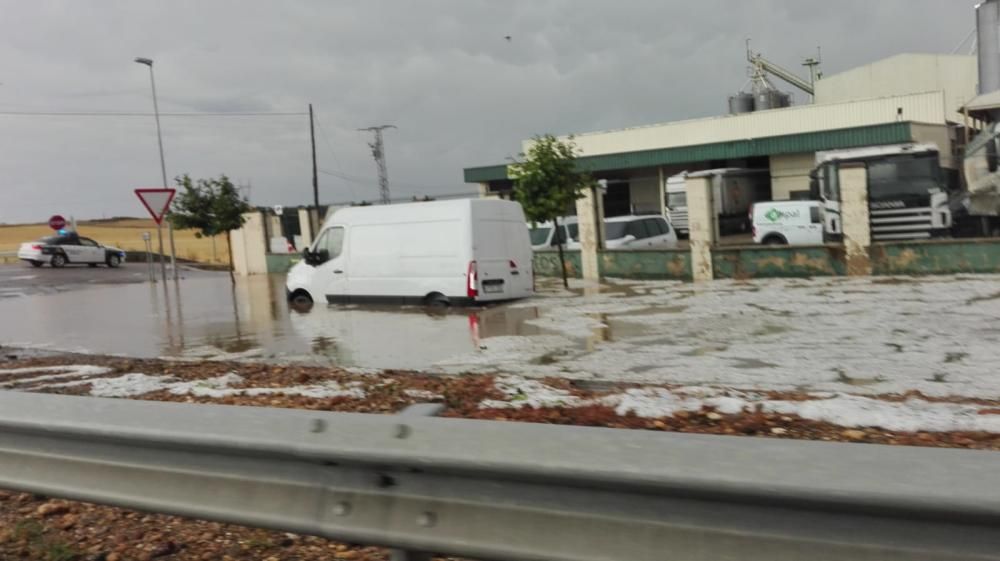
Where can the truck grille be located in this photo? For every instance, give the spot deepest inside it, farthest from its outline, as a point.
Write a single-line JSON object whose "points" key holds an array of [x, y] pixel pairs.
{"points": [[679, 219], [901, 224]]}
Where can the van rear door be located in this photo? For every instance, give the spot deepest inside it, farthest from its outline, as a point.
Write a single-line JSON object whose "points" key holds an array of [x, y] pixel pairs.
{"points": [[502, 264]]}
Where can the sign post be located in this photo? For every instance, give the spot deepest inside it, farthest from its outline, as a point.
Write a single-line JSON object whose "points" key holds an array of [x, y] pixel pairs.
{"points": [[157, 202]]}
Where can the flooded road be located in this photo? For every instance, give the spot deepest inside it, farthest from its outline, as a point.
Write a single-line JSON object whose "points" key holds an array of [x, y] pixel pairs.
{"points": [[937, 335], [208, 317]]}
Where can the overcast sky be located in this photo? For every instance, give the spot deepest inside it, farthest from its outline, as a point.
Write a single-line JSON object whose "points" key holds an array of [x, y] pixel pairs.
{"points": [[440, 70]]}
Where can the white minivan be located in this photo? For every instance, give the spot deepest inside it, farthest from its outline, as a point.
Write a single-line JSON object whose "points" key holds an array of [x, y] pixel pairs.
{"points": [[543, 235], [787, 223], [434, 253], [639, 232]]}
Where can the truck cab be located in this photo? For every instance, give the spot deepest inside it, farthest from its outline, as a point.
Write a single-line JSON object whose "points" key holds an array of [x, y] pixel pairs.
{"points": [[908, 195]]}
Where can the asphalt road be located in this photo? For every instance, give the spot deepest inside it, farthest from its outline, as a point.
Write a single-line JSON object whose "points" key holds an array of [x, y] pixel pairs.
{"points": [[20, 279]]}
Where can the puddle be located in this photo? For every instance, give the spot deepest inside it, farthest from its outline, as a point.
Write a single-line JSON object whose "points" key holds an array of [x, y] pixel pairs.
{"points": [[751, 364]]}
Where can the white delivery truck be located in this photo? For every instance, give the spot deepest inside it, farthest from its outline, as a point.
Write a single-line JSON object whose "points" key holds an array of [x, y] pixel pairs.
{"points": [[788, 223], [435, 253], [734, 191]]}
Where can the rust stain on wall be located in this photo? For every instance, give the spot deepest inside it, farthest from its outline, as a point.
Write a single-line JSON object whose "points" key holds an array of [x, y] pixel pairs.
{"points": [[677, 268]]}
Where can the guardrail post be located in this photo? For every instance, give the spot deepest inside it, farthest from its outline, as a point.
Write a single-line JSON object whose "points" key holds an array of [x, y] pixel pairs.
{"points": [[416, 410]]}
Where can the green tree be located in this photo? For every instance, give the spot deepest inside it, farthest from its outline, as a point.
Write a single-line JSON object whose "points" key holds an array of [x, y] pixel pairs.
{"points": [[547, 183], [210, 207]]}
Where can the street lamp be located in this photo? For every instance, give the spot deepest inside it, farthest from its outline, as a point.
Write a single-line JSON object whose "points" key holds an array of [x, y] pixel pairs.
{"points": [[163, 169]]}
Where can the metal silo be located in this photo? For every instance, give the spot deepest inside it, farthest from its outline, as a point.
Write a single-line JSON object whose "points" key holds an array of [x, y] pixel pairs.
{"points": [[987, 20], [741, 103]]}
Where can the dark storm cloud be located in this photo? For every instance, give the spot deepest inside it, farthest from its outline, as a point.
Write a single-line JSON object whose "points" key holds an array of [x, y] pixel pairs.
{"points": [[442, 71]]}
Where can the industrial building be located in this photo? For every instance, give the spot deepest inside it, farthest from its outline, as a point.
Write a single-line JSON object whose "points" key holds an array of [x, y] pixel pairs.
{"points": [[905, 98]]}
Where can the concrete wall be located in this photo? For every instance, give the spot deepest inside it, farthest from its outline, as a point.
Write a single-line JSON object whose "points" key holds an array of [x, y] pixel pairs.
{"points": [[647, 265], [790, 173], [778, 261], [645, 194], [640, 265], [954, 75], [249, 246], [936, 257], [546, 264]]}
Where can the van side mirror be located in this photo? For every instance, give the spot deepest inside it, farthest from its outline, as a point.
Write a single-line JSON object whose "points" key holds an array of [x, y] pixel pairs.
{"points": [[307, 256]]}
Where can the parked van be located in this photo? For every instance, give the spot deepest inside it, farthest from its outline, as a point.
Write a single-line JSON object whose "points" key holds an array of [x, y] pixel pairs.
{"points": [[543, 234], [787, 223], [436, 253], [639, 232]]}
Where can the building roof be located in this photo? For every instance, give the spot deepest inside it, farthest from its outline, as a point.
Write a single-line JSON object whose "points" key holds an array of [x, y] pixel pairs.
{"points": [[985, 102], [887, 133]]}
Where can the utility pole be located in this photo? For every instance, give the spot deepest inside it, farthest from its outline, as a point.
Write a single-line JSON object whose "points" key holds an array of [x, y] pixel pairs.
{"points": [[313, 227], [378, 151], [163, 169]]}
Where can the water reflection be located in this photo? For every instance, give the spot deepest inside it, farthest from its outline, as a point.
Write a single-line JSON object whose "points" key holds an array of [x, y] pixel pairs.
{"points": [[210, 317]]}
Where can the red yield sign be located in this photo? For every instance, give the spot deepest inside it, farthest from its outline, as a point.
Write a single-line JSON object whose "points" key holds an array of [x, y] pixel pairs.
{"points": [[156, 201], [57, 222]]}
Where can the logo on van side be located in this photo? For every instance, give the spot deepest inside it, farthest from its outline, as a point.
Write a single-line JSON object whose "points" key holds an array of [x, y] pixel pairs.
{"points": [[775, 215]]}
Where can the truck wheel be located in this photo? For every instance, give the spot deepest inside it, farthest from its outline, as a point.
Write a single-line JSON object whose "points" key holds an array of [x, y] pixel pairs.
{"points": [[59, 260]]}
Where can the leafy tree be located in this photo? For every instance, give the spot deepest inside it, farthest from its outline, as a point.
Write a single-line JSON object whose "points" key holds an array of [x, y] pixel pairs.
{"points": [[210, 207], [547, 183]]}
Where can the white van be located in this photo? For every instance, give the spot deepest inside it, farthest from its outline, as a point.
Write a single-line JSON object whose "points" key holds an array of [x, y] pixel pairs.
{"points": [[437, 253], [787, 223]]}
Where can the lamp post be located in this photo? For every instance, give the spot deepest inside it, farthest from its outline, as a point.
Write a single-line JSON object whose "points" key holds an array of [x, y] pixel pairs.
{"points": [[163, 170]]}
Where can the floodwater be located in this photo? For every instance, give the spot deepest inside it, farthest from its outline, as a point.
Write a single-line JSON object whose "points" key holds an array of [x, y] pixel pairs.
{"points": [[209, 317], [937, 335]]}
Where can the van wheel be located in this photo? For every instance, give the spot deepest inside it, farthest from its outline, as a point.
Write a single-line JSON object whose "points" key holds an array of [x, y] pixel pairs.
{"points": [[300, 301], [775, 240], [437, 300]]}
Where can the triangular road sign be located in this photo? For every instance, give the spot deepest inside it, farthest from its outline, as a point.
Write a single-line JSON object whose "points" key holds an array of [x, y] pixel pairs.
{"points": [[156, 201]]}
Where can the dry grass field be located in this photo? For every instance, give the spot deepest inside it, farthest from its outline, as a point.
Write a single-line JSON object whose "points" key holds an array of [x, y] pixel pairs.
{"points": [[126, 234]]}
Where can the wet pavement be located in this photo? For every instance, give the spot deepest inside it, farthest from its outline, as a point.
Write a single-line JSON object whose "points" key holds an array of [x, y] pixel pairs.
{"points": [[206, 316], [884, 335], [20, 279]]}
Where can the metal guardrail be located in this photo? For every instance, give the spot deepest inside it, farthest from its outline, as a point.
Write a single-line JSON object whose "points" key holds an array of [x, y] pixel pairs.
{"points": [[507, 491]]}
